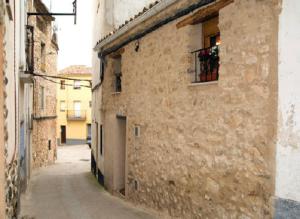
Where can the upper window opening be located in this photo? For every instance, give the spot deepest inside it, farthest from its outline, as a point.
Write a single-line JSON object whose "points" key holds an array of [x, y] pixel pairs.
{"points": [[43, 57], [117, 66], [42, 97], [62, 84], [77, 85], [102, 68], [207, 57], [62, 105]]}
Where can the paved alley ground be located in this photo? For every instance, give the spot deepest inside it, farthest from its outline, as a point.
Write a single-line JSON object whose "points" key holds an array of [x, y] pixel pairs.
{"points": [[67, 190]]}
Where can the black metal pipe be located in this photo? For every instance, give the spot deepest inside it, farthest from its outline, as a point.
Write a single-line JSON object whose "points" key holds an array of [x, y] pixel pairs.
{"points": [[56, 14], [50, 14]]}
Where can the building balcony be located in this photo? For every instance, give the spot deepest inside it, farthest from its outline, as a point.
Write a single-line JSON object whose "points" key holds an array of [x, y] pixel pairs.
{"points": [[206, 64], [76, 115]]}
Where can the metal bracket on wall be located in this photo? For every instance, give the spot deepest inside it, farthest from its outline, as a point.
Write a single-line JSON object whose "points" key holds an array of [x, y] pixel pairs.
{"points": [[57, 14]]}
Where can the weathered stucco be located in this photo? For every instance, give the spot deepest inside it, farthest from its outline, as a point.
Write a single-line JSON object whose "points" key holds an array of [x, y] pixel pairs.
{"points": [[205, 151], [11, 120], [2, 149], [288, 140]]}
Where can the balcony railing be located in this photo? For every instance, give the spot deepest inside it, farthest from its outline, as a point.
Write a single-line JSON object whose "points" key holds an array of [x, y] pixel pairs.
{"points": [[206, 64], [77, 115]]}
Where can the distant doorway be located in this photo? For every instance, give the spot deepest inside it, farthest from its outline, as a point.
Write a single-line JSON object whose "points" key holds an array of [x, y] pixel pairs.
{"points": [[89, 130], [121, 154], [63, 137]]}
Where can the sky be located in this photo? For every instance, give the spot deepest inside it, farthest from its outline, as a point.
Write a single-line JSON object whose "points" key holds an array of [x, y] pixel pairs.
{"points": [[74, 41]]}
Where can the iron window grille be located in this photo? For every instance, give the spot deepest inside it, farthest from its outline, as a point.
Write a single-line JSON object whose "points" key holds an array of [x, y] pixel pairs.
{"points": [[206, 64], [118, 82]]}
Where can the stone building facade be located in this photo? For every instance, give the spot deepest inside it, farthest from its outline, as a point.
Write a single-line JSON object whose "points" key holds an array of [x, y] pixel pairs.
{"points": [[44, 144], [108, 15], [74, 106], [193, 146]]}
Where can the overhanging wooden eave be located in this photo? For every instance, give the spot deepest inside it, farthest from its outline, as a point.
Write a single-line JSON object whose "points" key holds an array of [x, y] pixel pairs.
{"points": [[117, 54], [204, 13]]}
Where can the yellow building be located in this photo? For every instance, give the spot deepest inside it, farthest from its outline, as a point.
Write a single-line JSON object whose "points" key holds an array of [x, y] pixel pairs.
{"points": [[74, 105]]}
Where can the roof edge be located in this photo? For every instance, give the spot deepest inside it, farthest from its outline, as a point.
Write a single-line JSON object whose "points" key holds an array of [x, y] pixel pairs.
{"points": [[148, 14]]}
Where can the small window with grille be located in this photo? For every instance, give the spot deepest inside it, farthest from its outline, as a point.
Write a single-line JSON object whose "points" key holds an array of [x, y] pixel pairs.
{"points": [[117, 65]]}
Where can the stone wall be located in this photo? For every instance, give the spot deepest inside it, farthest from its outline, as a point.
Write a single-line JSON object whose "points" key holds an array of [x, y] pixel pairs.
{"points": [[108, 14], [205, 151], [44, 124]]}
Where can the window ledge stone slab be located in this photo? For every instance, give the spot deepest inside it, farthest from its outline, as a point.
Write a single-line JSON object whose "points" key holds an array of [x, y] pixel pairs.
{"points": [[202, 84], [115, 93]]}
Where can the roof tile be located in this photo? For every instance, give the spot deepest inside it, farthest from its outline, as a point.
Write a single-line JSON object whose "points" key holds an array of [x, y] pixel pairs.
{"points": [[145, 9]]}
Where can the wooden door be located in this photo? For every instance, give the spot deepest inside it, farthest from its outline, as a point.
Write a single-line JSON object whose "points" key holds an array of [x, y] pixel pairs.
{"points": [[63, 134]]}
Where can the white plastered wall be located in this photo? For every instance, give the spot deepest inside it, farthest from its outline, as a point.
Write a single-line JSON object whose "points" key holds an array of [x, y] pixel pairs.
{"points": [[12, 70], [288, 142]]}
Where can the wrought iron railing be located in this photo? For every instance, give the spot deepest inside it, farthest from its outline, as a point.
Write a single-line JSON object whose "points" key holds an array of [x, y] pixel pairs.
{"points": [[206, 64], [76, 114], [118, 82]]}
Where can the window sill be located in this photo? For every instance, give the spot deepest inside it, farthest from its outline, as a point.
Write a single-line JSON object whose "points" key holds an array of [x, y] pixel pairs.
{"points": [[116, 93], [202, 83]]}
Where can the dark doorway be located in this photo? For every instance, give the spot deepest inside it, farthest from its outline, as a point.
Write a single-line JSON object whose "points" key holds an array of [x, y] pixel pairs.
{"points": [[120, 160], [63, 134], [89, 130]]}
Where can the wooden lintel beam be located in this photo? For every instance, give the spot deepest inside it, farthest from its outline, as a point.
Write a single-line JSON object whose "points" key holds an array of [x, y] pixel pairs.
{"points": [[117, 53], [204, 13]]}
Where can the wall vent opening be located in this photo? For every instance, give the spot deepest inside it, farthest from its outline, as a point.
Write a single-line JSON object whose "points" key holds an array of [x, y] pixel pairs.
{"points": [[136, 185], [49, 145], [137, 131]]}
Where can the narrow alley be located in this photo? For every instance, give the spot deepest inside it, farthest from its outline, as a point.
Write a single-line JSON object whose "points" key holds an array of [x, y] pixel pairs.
{"points": [[67, 189], [141, 109]]}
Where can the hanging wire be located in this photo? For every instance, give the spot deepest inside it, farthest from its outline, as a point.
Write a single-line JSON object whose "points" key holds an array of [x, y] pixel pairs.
{"points": [[71, 85], [59, 77]]}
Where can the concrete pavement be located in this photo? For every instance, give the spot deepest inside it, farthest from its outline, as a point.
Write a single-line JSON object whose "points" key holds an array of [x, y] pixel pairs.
{"points": [[67, 190]]}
